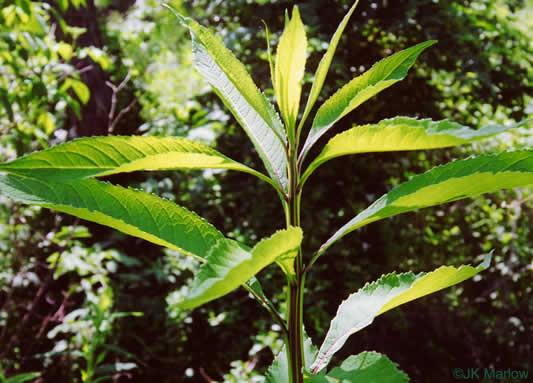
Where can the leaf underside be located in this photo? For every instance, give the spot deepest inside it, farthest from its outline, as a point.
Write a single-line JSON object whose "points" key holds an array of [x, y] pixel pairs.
{"points": [[450, 182], [130, 211], [236, 89], [390, 291]]}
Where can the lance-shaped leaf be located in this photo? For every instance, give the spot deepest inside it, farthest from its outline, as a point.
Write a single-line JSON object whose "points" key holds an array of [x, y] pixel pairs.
{"points": [[102, 156], [453, 181], [230, 264], [325, 62], [289, 69], [278, 372], [402, 133], [391, 290], [382, 75], [368, 367], [236, 89], [133, 212]]}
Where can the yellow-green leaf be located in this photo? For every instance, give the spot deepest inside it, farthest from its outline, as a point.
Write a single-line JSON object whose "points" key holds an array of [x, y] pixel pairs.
{"points": [[80, 89], [231, 264], [391, 290], [102, 156], [289, 70], [402, 133], [325, 62], [381, 76], [453, 181]]}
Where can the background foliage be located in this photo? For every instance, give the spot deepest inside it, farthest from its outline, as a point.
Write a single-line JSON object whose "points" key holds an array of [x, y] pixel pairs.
{"points": [[78, 299]]}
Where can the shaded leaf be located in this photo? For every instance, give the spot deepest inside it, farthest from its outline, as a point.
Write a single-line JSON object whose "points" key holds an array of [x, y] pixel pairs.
{"points": [[278, 372], [130, 211], [368, 367]]}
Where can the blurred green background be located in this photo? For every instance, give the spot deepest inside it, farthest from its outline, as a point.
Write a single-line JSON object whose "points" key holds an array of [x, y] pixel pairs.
{"points": [[77, 297]]}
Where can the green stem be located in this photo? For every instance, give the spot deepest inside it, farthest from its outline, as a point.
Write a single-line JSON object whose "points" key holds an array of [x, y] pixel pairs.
{"points": [[294, 343]]}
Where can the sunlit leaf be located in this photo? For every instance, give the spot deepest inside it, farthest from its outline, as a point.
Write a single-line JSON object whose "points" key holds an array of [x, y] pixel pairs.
{"points": [[102, 156], [230, 264], [453, 181], [391, 290], [381, 76], [80, 89], [402, 133], [325, 62], [289, 69]]}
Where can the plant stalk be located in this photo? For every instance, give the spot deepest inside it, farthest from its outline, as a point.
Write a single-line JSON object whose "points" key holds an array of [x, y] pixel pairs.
{"points": [[294, 343]]}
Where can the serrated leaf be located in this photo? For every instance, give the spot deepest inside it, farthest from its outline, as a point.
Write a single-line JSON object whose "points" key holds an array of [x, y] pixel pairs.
{"points": [[368, 367], [230, 264], [278, 372], [130, 211], [289, 69], [325, 62], [402, 133], [236, 89], [102, 156], [453, 181], [391, 290], [381, 76]]}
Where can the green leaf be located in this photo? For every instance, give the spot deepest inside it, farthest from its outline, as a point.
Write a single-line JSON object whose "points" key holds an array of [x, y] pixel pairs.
{"points": [[453, 181], [254, 288], [20, 378], [269, 54], [232, 83], [368, 367], [230, 264], [102, 156], [325, 62], [402, 133], [391, 290], [278, 372], [289, 70], [381, 76], [81, 90], [130, 211], [65, 50]]}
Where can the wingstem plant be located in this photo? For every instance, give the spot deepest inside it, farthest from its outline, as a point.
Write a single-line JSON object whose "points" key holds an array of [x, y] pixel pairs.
{"points": [[62, 178]]}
